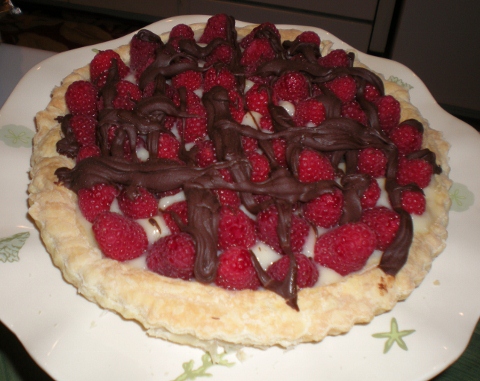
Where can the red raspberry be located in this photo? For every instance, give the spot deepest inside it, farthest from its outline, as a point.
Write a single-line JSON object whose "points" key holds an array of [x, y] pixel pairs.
{"points": [[416, 171], [260, 167], [235, 229], [190, 79], [313, 167], [143, 205], [309, 111], [371, 93], [195, 128], [384, 222], [168, 146], [222, 53], [236, 105], [228, 197], [307, 270], [128, 94], [216, 28], [101, 64], [222, 77], [345, 249], [90, 150], [336, 58], [119, 237], [407, 138], [249, 144], [413, 202], [354, 111], [95, 200], [205, 154], [258, 52], [325, 210], [291, 87], [371, 195], [388, 109], [236, 270], [142, 50], [181, 31], [83, 127], [81, 98], [279, 150], [247, 40], [372, 161], [257, 99], [309, 37], [344, 88], [266, 123], [180, 210], [267, 222], [173, 256]]}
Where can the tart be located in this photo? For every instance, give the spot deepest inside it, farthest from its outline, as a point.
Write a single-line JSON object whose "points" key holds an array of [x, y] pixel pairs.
{"points": [[254, 145]]}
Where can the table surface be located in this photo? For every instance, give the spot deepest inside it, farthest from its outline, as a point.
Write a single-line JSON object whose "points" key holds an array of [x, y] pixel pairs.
{"points": [[16, 364]]}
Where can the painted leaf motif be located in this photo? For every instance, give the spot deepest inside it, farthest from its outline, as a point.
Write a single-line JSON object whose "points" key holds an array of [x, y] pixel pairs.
{"points": [[462, 198], [16, 136], [10, 246]]}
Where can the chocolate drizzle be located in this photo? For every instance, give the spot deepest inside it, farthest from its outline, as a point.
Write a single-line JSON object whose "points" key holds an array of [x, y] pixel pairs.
{"points": [[340, 138]]}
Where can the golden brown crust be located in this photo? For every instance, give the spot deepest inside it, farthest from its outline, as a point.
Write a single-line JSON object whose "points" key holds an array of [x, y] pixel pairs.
{"points": [[204, 315]]}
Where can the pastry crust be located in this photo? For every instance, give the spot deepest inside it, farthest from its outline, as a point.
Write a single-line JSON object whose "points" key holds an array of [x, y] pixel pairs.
{"points": [[188, 312]]}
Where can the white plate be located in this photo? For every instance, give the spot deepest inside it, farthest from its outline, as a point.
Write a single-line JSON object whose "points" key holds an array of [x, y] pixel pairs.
{"points": [[73, 339]]}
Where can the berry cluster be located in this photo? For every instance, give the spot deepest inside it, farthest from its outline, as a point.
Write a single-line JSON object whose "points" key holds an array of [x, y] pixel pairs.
{"points": [[264, 141]]}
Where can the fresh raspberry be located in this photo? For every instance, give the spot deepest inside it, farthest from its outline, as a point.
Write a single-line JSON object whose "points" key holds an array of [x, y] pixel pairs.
{"points": [[128, 94], [388, 109], [143, 204], [95, 200], [344, 88], [267, 222], [371, 93], [260, 167], [181, 31], [307, 270], [256, 99], [180, 211], [83, 127], [407, 138], [205, 154], [353, 110], [249, 144], [192, 99], [266, 123], [309, 111], [81, 98], [216, 28], [235, 229], [336, 58], [195, 128], [90, 150], [101, 64], [236, 105], [279, 150], [413, 202], [221, 53], [416, 171], [371, 195], [119, 237], [190, 79], [258, 52], [325, 210], [173, 256], [309, 37], [260, 29], [345, 249], [384, 222], [372, 161], [291, 87], [168, 146], [222, 77], [236, 270], [313, 167], [142, 50]]}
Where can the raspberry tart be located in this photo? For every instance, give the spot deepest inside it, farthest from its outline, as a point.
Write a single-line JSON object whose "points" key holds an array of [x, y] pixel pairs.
{"points": [[238, 186]]}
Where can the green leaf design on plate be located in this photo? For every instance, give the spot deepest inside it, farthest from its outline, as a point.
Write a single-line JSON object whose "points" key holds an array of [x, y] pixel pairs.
{"points": [[462, 198], [189, 373], [394, 336], [16, 136], [399, 82], [10, 247]]}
